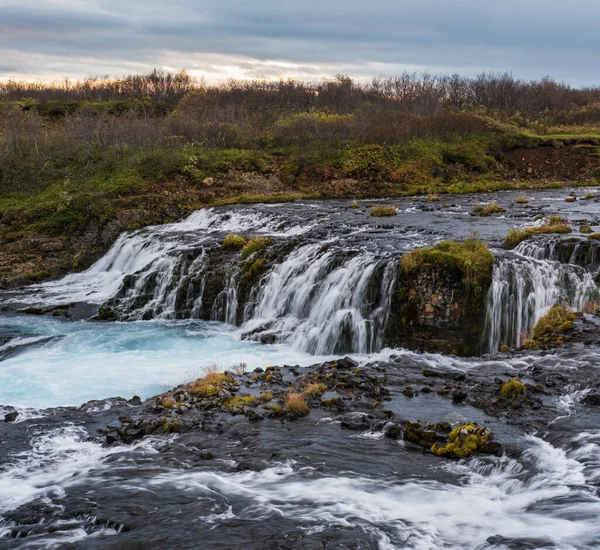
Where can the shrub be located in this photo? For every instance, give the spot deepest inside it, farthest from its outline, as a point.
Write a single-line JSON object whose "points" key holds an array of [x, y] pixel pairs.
{"points": [[589, 196], [296, 405], [513, 388], [234, 241], [382, 211], [254, 245], [471, 257]]}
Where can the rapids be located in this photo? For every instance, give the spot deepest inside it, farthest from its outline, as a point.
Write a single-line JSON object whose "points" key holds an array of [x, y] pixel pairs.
{"points": [[283, 485]]}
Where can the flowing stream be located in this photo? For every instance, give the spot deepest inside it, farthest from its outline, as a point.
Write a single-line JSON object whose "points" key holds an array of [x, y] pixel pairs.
{"points": [[326, 293]]}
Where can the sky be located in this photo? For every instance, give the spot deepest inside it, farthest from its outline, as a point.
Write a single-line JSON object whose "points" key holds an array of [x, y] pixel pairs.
{"points": [[308, 39]]}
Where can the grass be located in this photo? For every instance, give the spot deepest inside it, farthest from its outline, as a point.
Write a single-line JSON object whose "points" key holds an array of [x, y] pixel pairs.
{"points": [[594, 236], [383, 211], [234, 241], [521, 200], [314, 390], [585, 228], [254, 245], [471, 257], [210, 384], [296, 405], [554, 225]]}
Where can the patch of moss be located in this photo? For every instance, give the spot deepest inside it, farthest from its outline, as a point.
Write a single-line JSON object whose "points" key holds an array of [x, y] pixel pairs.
{"points": [[521, 200], [254, 268], [464, 441], [471, 257], [552, 328], [488, 210], [236, 403], [553, 225], [512, 388], [570, 199], [383, 211], [234, 241], [585, 228], [254, 245], [595, 236]]}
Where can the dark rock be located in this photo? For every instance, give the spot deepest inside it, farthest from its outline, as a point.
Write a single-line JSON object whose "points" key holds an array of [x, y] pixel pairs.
{"points": [[356, 421], [592, 399], [393, 431], [347, 363], [11, 416]]}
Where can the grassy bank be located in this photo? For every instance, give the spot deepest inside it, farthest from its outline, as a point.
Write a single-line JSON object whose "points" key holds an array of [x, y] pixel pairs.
{"points": [[151, 148]]}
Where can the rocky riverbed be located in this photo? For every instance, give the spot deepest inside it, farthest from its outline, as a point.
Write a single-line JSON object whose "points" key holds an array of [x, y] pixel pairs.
{"points": [[276, 405]]}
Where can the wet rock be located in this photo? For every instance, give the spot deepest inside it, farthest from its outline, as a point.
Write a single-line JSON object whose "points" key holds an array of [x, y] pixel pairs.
{"points": [[592, 399], [356, 421], [393, 431], [11, 416]]}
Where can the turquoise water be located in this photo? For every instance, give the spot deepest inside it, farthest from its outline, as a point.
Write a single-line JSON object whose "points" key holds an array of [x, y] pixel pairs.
{"points": [[87, 360]]}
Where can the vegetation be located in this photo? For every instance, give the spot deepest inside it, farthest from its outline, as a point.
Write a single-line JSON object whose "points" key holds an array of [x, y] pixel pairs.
{"points": [[254, 245], [512, 388], [570, 199], [551, 329], [586, 228], [234, 241], [296, 405], [595, 236], [521, 200], [314, 390], [382, 211], [210, 384], [76, 155], [554, 225], [488, 210], [471, 257], [464, 441]]}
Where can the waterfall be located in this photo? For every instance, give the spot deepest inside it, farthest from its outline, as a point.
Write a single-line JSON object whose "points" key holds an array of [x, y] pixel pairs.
{"points": [[525, 285], [322, 301]]}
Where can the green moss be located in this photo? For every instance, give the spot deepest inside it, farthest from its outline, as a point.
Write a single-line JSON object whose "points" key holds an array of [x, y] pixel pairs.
{"points": [[254, 245], [585, 228], [553, 225], [253, 268], [383, 211], [471, 257], [233, 241], [512, 388], [552, 328], [239, 401], [464, 441]]}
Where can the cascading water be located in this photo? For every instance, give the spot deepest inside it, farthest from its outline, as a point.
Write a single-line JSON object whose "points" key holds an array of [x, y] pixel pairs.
{"points": [[320, 302], [525, 285]]}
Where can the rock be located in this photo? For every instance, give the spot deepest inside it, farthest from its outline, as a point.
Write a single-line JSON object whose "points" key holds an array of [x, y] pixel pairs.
{"points": [[113, 436], [133, 218], [356, 421], [393, 431], [592, 399], [347, 363], [135, 400], [11, 416], [208, 181]]}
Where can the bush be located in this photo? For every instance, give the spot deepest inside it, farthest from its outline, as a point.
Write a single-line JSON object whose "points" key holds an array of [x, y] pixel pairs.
{"points": [[382, 211]]}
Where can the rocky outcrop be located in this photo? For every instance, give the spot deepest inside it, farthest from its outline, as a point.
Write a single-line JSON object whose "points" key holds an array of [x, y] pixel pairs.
{"points": [[439, 303]]}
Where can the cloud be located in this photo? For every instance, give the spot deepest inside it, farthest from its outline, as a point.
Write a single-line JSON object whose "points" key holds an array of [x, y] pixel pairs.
{"points": [[269, 38]]}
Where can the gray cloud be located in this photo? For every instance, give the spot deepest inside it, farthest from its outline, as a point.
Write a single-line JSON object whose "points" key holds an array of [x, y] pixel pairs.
{"points": [[531, 38]]}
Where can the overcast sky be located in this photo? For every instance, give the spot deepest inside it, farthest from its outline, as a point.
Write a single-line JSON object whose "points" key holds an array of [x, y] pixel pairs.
{"points": [[309, 39]]}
